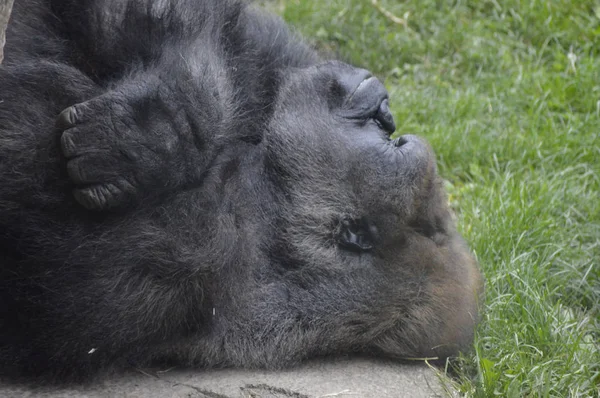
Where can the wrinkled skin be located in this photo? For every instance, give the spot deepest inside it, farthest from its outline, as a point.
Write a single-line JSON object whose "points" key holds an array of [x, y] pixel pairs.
{"points": [[187, 181]]}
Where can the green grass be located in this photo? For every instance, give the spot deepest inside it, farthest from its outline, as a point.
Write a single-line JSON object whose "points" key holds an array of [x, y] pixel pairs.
{"points": [[508, 94]]}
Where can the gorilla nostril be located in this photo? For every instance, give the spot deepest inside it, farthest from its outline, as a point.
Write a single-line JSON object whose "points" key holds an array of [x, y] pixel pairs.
{"points": [[398, 142]]}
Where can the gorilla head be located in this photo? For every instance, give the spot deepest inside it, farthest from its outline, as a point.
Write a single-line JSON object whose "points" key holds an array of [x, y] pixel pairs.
{"points": [[355, 247], [209, 192]]}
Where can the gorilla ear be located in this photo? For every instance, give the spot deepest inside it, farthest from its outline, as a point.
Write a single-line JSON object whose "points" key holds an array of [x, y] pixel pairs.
{"points": [[356, 235]]}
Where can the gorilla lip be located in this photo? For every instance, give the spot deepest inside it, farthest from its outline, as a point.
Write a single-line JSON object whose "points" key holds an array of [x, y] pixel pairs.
{"points": [[384, 117], [360, 85], [366, 99]]}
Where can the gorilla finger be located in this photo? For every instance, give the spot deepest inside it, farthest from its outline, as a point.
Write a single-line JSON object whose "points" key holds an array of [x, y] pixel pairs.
{"points": [[67, 144], [70, 117], [75, 142], [99, 197], [92, 169]]}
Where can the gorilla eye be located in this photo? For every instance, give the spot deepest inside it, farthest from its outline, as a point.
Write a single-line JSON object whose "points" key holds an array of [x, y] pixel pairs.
{"points": [[383, 117], [355, 235]]}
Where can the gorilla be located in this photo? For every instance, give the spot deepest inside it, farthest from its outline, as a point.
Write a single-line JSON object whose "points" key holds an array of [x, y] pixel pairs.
{"points": [[187, 182]]}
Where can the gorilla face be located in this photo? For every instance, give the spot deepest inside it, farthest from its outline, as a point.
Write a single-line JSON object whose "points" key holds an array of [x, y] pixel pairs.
{"points": [[361, 254]]}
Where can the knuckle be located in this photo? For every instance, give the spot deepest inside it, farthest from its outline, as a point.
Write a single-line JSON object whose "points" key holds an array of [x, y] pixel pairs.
{"points": [[76, 171], [67, 144], [98, 197], [87, 198]]}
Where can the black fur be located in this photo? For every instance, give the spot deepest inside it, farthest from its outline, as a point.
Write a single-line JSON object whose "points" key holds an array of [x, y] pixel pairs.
{"points": [[185, 180]]}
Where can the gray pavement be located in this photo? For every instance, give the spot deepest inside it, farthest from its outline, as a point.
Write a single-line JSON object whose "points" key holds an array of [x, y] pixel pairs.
{"points": [[335, 378]]}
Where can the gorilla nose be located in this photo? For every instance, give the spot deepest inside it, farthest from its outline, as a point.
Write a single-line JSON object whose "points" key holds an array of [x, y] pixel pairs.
{"points": [[417, 156], [400, 141], [410, 142]]}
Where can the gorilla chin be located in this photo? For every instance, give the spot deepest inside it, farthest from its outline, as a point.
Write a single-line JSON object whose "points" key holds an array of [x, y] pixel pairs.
{"points": [[187, 181]]}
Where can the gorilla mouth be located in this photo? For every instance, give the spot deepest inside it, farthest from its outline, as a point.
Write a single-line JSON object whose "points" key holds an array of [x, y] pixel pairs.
{"points": [[370, 100], [367, 80], [384, 118]]}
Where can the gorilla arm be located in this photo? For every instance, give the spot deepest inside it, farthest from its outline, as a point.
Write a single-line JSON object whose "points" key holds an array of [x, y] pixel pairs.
{"points": [[157, 126], [187, 72]]}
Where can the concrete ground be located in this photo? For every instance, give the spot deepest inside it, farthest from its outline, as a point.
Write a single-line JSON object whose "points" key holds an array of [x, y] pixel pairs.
{"points": [[339, 378]]}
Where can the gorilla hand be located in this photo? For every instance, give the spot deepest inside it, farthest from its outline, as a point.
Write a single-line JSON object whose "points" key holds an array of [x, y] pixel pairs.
{"points": [[125, 143]]}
